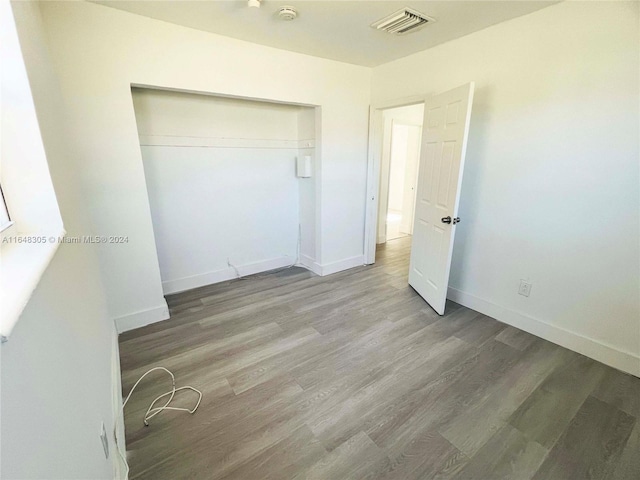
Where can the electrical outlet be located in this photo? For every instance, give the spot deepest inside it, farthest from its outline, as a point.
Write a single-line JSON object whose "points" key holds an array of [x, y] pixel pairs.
{"points": [[525, 288], [105, 441]]}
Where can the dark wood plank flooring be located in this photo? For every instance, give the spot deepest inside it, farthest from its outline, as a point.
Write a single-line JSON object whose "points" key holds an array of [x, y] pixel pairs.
{"points": [[353, 376]]}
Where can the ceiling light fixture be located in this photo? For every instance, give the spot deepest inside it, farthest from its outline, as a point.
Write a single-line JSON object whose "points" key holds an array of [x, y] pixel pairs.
{"points": [[254, 3]]}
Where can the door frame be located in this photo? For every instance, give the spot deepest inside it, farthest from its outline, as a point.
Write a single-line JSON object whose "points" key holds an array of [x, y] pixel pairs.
{"points": [[374, 157]]}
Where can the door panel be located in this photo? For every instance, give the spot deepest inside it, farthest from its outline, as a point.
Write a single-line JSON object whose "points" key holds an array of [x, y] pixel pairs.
{"points": [[444, 139]]}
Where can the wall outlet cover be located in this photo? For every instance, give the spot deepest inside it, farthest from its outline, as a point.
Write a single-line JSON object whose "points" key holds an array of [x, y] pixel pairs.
{"points": [[525, 288]]}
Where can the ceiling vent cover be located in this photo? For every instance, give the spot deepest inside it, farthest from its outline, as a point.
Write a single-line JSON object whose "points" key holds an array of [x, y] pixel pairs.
{"points": [[403, 21]]}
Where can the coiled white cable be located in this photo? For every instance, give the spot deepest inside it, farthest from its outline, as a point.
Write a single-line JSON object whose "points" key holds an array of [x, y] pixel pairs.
{"points": [[153, 411]]}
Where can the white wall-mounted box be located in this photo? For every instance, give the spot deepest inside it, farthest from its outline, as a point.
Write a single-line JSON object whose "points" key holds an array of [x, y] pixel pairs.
{"points": [[303, 166]]}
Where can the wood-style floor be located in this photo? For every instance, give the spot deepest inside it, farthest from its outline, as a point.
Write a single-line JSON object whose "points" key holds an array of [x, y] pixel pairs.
{"points": [[353, 376]]}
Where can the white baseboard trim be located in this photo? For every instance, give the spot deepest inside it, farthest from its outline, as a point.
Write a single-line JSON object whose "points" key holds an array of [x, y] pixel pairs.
{"points": [[310, 264], [119, 467], [602, 352], [142, 318], [229, 273], [340, 265]]}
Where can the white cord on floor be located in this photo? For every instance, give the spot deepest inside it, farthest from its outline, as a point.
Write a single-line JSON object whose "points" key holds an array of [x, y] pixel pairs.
{"points": [[153, 411], [238, 276]]}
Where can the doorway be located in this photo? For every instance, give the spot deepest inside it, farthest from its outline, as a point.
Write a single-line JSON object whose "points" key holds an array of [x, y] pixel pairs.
{"points": [[399, 173], [402, 176], [445, 128]]}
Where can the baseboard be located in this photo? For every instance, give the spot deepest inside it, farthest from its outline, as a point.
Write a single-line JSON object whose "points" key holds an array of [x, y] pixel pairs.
{"points": [[310, 264], [602, 352], [340, 265], [381, 239], [117, 429], [142, 318], [229, 273]]}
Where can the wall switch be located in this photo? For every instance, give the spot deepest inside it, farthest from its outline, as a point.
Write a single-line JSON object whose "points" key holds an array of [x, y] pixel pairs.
{"points": [[525, 288], [105, 441]]}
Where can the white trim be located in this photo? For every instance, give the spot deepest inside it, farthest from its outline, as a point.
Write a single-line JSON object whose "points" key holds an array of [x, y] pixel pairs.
{"points": [[219, 142], [219, 94], [10, 223], [340, 265], [400, 102], [116, 403], [373, 184], [222, 275], [310, 264], [590, 347], [306, 143], [317, 165], [332, 267], [142, 318]]}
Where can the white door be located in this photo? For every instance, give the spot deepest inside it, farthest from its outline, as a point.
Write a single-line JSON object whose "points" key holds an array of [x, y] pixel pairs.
{"points": [[444, 141]]}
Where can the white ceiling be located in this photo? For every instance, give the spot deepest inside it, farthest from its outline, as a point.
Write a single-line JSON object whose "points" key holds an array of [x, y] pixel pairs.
{"points": [[334, 29]]}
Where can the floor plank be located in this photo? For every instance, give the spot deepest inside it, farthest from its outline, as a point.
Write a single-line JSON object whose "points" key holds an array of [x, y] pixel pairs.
{"points": [[555, 402], [508, 454], [352, 459], [591, 445], [515, 338]]}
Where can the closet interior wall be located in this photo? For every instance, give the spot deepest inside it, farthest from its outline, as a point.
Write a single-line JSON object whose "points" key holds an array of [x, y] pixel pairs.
{"points": [[221, 178]]}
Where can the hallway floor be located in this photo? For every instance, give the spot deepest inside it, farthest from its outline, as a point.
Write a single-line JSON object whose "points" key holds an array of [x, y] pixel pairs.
{"points": [[394, 220], [354, 376]]}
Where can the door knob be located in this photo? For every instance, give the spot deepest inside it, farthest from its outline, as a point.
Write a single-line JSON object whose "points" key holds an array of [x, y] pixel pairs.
{"points": [[445, 219]]}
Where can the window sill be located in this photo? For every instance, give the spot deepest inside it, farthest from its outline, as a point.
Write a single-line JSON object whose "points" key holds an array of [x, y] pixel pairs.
{"points": [[22, 265], [6, 226]]}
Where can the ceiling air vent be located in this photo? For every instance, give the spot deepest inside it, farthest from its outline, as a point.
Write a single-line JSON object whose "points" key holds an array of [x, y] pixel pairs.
{"points": [[403, 21]]}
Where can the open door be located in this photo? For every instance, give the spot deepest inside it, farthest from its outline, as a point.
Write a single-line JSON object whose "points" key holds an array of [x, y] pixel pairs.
{"points": [[444, 142]]}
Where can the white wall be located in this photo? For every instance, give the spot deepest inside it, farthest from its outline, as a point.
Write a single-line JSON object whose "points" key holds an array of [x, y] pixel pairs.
{"points": [[220, 173], [397, 166], [411, 177], [99, 52], [551, 186], [57, 366]]}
